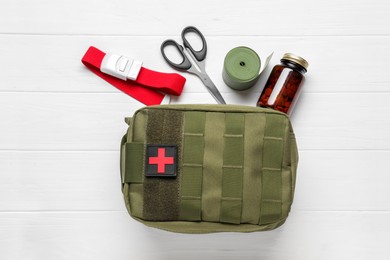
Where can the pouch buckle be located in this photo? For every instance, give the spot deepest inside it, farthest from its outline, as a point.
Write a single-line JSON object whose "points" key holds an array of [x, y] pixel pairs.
{"points": [[120, 66]]}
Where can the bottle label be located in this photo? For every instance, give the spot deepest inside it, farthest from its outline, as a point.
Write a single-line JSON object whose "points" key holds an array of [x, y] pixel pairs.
{"points": [[278, 86]]}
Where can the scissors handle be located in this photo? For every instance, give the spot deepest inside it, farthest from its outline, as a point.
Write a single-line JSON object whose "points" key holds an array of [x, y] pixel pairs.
{"points": [[201, 54], [185, 64]]}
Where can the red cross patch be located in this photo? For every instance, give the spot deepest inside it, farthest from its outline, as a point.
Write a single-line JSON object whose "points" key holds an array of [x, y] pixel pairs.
{"points": [[161, 160]]}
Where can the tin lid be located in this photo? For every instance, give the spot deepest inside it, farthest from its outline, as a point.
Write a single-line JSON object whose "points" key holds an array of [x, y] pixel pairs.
{"points": [[297, 59]]}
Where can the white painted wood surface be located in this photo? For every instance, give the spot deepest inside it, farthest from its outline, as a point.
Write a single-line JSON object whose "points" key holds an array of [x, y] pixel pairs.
{"points": [[60, 125]]}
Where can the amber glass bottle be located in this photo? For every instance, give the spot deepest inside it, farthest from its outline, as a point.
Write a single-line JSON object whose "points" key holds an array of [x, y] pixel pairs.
{"points": [[283, 85]]}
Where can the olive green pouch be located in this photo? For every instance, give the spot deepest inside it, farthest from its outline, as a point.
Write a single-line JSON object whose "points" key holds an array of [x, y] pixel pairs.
{"points": [[209, 168]]}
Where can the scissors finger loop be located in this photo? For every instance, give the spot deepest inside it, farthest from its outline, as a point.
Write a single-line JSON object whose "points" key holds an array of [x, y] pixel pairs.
{"points": [[199, 55], [185, 64]]}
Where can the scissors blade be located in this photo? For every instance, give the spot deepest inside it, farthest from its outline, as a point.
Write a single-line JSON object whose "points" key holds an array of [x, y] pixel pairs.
{"points": [[211, 88]]}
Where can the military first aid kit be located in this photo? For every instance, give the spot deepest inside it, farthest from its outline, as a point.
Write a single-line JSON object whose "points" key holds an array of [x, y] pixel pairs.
{"points": [[202, 168], [209, 168]]}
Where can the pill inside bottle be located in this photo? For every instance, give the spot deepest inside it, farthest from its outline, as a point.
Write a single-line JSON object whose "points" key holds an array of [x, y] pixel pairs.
{"points": [[283, 86]]}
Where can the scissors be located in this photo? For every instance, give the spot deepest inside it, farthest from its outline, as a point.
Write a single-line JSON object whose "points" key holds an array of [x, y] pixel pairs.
{"points": [[195, 62]]}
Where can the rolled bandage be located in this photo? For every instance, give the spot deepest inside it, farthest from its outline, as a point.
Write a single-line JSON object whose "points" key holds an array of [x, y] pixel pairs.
{"points": [[242, 68]]}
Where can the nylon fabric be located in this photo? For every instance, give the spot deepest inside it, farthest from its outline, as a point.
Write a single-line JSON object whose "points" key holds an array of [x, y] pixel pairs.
{"points": [[294, 158], [294, 162], [253, 143], [271, 201], [135, 192], [136, 199], [161, 195], [139, 127], [233, 161], [122, 159], [218, 108], [147, 86], [134, 166], [191, 180], [128, 136], [212, 166], [207, 227], [287, 179], [237, 168]]}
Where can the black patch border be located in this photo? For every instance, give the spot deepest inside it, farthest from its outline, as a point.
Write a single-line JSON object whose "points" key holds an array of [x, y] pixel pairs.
{"points": [[148, 155]]}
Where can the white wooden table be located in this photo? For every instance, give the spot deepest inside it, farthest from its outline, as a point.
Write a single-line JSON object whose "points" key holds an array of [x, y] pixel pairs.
{"points": [[60, 125]]}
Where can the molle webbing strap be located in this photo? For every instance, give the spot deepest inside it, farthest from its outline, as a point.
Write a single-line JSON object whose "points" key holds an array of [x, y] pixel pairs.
{"points": [[233, 167], [148, 86], [253, 163], [161, 195], [271, 198], [192, 166], [212, 166]]}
